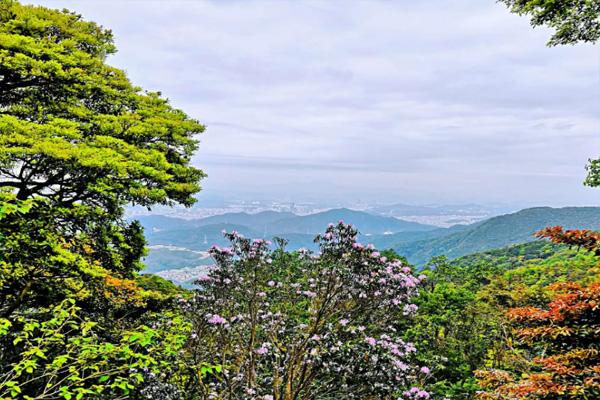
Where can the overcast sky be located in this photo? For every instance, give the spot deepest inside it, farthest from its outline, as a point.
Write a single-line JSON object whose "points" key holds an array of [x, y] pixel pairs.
{"points": [[431, 101]]}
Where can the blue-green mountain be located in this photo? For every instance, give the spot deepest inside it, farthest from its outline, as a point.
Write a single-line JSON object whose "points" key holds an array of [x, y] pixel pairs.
{"points": [[170, 238]]}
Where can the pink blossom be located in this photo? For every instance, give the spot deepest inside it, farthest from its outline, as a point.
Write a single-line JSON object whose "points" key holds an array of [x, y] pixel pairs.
{"points": [[425, 370], [371, 341], [400, 365], [416, 393], [410, 348], [410, 309], [216, 319]]}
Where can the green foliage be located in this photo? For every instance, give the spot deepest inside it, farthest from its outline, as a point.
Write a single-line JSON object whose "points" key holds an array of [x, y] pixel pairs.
{"points": [[455, 332], [593, 178], [59, 353], [461, 327], [160, 286], [572, 20], [74, 129], [76, 133], [38, 264], [79, 142]]}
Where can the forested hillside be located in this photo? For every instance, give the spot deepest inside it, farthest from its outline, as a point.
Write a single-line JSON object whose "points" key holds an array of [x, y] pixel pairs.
{"points": [[462, 325], [500, 231]]}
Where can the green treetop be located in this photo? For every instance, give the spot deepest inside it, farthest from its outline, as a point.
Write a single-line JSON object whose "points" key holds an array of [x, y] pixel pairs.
{"points": [[74, 129], [572, 20]]}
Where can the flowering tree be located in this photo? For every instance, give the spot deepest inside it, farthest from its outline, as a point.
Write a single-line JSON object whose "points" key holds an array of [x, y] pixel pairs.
{"points": [[275, 325], [565, 340]]}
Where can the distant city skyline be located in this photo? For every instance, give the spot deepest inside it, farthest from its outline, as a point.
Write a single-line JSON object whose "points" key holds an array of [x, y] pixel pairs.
{"points": [[410, 102]]}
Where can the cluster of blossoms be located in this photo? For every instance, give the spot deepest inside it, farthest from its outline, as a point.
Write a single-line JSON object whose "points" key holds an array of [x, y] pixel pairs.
{"points": [[415, 393], [283, 324]]}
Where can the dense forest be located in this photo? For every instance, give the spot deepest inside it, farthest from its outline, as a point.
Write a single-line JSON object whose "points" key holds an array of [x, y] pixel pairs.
{"points": [[342, 320]]}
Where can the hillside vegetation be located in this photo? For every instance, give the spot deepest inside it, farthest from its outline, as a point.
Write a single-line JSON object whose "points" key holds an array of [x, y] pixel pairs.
{"points": [[500, 231], [462, 323]]}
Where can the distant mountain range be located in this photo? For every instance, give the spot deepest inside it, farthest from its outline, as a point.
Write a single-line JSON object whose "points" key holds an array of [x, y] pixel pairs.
{"points": [[417, 242], [368, 224], [278, 223], [499, 232]]}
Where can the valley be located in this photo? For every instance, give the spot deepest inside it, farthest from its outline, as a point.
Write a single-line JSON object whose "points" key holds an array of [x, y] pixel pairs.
{"points": [[177, 247]]}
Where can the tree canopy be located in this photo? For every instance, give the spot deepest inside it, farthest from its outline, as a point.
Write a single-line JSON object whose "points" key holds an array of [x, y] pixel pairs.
{"points": [[78, 142], [573, 21], [74, 129]]}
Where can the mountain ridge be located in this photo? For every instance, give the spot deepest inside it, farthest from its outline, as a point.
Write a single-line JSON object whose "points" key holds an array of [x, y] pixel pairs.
{"points": [[501, 231]]}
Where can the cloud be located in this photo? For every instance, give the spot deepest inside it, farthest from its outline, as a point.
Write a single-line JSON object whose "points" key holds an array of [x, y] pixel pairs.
{"points": [[456, 99]]}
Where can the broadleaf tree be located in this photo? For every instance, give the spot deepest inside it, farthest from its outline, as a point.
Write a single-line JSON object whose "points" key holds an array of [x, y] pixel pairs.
{"points": [[79, 141]]}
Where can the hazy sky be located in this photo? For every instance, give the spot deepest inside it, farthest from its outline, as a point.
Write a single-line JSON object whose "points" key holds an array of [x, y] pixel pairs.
{"points": [[408, 101]]}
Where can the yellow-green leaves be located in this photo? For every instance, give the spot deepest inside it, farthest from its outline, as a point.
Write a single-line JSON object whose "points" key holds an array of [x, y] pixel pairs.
{"points": [[73, 121], [82, 362]]}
